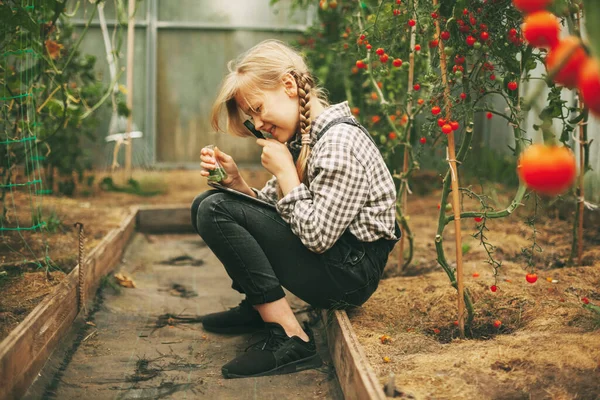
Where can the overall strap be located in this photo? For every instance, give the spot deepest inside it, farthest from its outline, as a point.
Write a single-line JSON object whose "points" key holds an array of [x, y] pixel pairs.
{"points": [[295, 147], [345, 120]]}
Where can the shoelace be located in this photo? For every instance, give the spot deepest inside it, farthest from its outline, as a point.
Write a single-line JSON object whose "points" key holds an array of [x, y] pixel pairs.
{"points": [[271, 343]]}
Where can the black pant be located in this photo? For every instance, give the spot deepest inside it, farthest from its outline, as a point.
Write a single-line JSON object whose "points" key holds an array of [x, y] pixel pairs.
{"points": [[261, 254]]}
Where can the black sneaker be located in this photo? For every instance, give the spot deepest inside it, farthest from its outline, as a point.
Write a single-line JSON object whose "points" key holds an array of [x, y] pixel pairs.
{"points": [[275, 355], [241, 319]]}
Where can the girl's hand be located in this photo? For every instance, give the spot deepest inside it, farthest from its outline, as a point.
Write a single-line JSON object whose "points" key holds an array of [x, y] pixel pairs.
{"points": [[276, 157], [207, 157]]}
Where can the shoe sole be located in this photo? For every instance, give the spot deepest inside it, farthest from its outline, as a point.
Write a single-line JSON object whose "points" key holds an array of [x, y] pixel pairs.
{"points": [[234, 329], [296, 366]]}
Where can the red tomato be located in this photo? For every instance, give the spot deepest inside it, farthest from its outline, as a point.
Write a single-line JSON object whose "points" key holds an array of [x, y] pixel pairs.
{"points": [[397, 62], [380, 51], [567, 76], [529, 6], [361, 64], [436, 110], [497, 324], [512, 85], [384, 58], [417, 87], [531, 278], [446, 128], [445, 35], [484, 36], [417, 47], [454, 125], [441, 122], [411, 22], [478, 219], [493, 288], [392, 135], [541, 29], [589, 85], [547, 169], [433, 44], [459, 60], [470, 40], [423, 140]]}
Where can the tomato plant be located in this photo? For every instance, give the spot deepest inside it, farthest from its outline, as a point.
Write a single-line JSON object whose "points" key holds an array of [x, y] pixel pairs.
{"points": [[448, 63]]}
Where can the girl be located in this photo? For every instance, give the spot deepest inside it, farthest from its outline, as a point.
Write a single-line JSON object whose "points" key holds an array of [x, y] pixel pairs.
{"points": [[333, 226]]}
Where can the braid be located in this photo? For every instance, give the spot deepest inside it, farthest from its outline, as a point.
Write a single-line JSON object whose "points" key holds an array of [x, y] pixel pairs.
{"points": [[304, 88], [305, 85]]}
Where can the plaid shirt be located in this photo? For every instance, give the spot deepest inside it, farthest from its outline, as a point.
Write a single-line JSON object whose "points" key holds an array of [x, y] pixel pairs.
{"points": [[350, 187]]}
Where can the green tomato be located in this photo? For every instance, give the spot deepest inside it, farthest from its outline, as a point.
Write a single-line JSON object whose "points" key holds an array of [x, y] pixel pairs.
{"points": [[485, 48], [449, 51], [382, 139], [477, 46], [458, 74]]}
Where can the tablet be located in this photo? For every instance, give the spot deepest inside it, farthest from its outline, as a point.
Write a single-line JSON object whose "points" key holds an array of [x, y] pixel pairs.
{"points": [[240, 194]]}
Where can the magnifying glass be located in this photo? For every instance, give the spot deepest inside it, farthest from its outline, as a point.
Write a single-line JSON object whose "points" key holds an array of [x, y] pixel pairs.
{"points": [[253, 130]]}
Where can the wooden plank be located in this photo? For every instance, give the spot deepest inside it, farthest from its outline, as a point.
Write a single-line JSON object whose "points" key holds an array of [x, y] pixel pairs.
{"points": [[355, 374], [25, 350], [170, 219], [108, 254]]}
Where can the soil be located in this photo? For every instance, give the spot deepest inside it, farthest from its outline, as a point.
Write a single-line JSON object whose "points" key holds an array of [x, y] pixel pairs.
{"points": [[548, 343]]}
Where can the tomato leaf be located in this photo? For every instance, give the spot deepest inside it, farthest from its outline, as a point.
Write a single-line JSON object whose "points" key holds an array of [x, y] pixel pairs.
{"points": [[592, 307]]}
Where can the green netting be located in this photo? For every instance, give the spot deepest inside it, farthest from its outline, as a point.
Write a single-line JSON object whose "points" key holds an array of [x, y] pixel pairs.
{"points": [[19, 140]]}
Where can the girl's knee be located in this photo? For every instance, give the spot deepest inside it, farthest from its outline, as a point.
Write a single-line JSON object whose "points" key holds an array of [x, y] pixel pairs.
{"points": [[205, 215], [199, 206]]}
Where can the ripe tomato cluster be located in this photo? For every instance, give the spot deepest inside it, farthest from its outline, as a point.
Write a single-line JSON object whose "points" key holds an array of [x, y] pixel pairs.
{"points": [[541, 29], [552, 169]]}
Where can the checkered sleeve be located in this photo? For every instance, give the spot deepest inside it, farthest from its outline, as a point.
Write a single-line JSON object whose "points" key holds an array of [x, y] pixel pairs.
{"points": [[338, 191], [269, 192]]}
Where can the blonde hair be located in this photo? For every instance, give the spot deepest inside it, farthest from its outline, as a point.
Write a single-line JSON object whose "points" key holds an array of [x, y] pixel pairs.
{"points": [[263, 68]]}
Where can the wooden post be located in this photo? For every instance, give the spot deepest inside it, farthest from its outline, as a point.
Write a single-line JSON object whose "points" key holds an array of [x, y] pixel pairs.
{"points": [[581, 198], [581, 192], [130, 50], [409, 105], [454, 182]]}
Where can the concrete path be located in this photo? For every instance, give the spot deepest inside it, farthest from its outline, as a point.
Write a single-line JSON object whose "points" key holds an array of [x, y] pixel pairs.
{"points": [[144, 343]]}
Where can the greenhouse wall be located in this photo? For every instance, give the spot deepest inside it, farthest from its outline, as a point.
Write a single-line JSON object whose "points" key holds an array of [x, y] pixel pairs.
{"points": [[181, 51]]}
